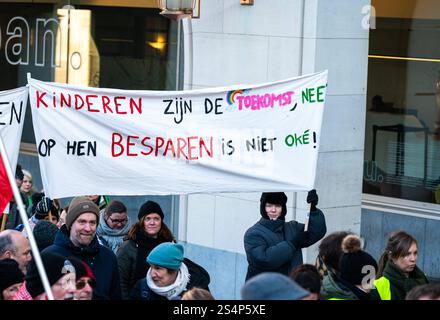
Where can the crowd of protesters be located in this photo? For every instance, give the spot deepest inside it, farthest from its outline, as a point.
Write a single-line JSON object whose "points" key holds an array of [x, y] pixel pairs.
{"points": [[91, 250]]}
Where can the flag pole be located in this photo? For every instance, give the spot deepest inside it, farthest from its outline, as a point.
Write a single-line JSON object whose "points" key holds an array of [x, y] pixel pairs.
{"points": [[306, 222], [35, 253], [4, 220]]}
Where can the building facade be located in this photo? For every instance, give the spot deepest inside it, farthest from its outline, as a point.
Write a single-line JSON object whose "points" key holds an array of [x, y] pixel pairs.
{"points": [[401, 182], [268, 41], [377, 170]]}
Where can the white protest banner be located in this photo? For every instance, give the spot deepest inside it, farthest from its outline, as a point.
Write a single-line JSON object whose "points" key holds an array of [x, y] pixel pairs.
{"points": [[12, 111], [231, 139]]}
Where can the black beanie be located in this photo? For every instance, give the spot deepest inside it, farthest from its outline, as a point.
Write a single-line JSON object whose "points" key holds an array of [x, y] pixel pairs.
{"points": [[44, 233], [56, 267], [10, 274], [273, 198], [353, 260], [19, 173], [42, 212], [150, 207]]}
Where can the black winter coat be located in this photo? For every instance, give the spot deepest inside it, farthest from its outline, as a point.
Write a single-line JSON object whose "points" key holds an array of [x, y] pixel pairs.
{"points": [[128, 256], [101, 260], [269, 244]]}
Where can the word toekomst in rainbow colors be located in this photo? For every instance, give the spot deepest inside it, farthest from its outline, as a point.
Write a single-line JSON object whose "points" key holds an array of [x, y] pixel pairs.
{"points": [[258, 101]]}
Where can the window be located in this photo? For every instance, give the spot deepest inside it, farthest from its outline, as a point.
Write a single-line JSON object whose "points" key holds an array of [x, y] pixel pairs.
{"points": [[402, 137], [125, 48], [120, 47]]}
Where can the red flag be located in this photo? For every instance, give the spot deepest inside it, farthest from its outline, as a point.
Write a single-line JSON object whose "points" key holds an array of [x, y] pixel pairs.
{"points": [[5, 188]]}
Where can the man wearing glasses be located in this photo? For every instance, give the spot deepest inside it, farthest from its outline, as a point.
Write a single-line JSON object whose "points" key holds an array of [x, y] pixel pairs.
{"points": [[114, 225]]}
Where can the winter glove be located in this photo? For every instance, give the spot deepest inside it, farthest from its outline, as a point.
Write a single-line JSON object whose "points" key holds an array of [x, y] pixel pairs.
{"points": [[312, 198]]}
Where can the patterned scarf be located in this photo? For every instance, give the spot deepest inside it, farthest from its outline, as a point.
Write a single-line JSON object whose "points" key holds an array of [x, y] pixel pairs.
{"points": [[22, 293], [174, 289]]}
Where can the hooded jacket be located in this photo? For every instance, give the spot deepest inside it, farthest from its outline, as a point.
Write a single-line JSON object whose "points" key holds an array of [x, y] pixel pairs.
{"points": [[335, 288], [275, 245], [331, 289]]}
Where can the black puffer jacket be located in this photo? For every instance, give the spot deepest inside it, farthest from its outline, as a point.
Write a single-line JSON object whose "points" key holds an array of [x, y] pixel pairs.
{"points": [[101, 260], [269, 244]]}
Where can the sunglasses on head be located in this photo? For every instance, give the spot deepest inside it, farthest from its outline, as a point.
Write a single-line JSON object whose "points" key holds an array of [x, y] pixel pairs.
{"points": [[82, 283]]}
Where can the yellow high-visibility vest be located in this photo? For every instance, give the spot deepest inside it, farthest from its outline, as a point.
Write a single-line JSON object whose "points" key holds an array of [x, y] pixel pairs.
{"points": [[383, 288]]}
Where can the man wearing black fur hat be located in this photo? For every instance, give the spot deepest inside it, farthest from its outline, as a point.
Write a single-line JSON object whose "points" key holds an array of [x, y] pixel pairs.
{"points": [[272, 244]]}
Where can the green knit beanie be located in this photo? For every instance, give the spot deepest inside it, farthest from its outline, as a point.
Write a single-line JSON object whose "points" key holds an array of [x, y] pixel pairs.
{"points": [[167, 255]]}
